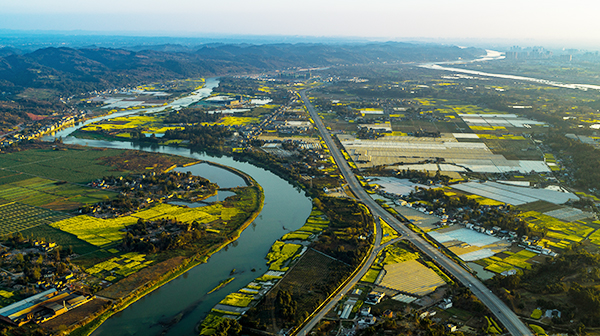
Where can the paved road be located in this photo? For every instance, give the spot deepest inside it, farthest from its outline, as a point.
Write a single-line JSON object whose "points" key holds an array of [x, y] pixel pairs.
{"points": [[345, 288], [506, 316]]}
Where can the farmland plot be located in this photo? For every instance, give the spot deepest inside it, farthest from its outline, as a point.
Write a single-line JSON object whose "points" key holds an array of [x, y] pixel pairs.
{"points": [[411, 277], [16, 217], [51, 194]]}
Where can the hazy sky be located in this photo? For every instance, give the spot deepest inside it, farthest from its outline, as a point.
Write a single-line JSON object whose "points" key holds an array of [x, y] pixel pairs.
{"points": [[574, 20]]}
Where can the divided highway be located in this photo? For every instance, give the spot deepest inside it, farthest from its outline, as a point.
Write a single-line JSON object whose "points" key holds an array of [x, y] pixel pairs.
{"points": [[506, 316]]}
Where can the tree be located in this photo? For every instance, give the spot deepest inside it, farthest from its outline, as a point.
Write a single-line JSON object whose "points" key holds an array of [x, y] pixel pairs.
{"points": [[36, 274], [228, 327]]}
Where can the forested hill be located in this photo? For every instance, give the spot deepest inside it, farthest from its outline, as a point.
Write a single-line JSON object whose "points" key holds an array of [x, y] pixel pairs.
{"points": [[78, 70]]}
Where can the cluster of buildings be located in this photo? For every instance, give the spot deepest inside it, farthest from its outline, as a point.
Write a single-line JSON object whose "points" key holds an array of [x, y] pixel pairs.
{"points": [[46, 129], [518, 53], [42, 307]]}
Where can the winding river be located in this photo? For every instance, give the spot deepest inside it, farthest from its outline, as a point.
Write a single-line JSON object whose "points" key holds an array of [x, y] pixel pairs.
{"points": [[176, 308], [494, 55]]}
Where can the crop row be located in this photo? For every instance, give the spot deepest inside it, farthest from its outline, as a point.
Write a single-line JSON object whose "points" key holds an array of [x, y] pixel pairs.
{"points": [[17, 217]]}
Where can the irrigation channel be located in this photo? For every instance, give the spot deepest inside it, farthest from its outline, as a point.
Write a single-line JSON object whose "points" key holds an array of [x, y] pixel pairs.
{"points": [[176, 307]]}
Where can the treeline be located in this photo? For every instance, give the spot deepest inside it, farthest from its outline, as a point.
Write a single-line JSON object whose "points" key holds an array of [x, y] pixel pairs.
{"points": [[173, 234], [572, 274], [349, 220], [201, 137]]}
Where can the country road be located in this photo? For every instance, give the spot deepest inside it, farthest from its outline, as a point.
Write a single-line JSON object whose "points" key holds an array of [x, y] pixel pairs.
{"points": [[504, 314]]}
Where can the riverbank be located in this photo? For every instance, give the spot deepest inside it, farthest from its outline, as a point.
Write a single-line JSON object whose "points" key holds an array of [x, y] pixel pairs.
{"points": [[183, 265]]}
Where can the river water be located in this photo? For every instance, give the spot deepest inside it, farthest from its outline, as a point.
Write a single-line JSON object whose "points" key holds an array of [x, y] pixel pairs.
{"points": [[494, 55], [184, 299]]}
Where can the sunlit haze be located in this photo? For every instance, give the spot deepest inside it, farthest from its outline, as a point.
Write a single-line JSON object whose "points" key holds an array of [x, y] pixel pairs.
{"points": [[559, 21]]}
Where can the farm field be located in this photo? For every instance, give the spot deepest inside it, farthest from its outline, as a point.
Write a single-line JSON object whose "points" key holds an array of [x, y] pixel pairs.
{"points": [[281, 254], [72, 165], [512, 147], [18, 216], [310, 281], [372, 274], [514, 195], [126, 124], [234, 121], [411, 277], [508, 261], [482, 121], [102, 232], [119, 267], [315, 223], [237, 300], [560, 234], [395, 254], [50, 194], [388, 232], [79, 164], [410, 150], [65, 240]]}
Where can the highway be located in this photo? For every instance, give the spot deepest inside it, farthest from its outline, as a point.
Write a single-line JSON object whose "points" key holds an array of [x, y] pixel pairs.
{"points": [[506, 316], [358, 274]]}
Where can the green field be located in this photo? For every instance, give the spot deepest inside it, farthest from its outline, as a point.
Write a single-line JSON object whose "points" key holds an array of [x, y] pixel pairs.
{"points": [[210, 323], [517, 260], [101, 232], [237, 300], [559, 233], [17, 216], [536, 314], [96, 231], [499, 267], [539, 331], [396, 254], [119, 267], [520, 258], [388, 232], [63, 239], [73, 165], [372, 274], [296, 235], [51, 194], [280, 253]]}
